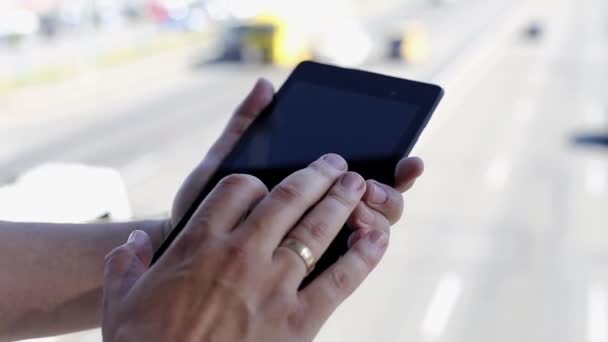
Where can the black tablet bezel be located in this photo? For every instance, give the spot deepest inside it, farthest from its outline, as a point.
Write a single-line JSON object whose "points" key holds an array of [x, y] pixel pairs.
{"points": [[424, 96]]}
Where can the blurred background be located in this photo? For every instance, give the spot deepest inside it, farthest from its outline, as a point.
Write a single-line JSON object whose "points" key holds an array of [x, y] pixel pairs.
{"points": [[106, 105]]}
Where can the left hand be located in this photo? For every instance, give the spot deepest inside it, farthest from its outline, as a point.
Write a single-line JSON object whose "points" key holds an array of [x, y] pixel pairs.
{"points": [[381, 206]]}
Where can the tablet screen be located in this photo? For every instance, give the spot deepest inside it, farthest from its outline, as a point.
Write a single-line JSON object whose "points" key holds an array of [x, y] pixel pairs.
{"points": [[310, 120]]}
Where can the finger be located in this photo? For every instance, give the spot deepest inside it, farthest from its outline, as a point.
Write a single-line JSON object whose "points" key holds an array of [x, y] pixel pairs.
{"points": [[406, 172], [384, 200], [259, 97], [334, 285], [356, 235], [364, 219], [318, 228], [223, 209], [278, 212], [125, 264]]}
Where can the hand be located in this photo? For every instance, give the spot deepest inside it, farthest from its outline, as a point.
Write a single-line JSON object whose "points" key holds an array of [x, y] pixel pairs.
{"points": [[382, 205], [260, 96], [228, 278]]}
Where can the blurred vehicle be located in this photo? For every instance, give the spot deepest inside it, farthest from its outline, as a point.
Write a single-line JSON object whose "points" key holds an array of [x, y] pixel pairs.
{"points": [[50, 24], [134, 9], [108, 14], [180, 14], [265, 39], [285, 34], [411, 44], [534, 30], [65, 17], [65, 193]]}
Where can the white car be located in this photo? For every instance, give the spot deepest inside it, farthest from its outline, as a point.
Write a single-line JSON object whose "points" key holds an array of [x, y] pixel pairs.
{"points": [[65, 193], [17, 22]]}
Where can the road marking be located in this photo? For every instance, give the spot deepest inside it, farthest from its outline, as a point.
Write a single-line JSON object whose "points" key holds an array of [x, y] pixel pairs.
{"points": [[442, 305], [596, 175], [597, 315], [498, 173], [594, 114]]}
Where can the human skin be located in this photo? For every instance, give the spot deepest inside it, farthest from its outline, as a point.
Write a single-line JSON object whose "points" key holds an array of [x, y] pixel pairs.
{"points": [[52, 273]]}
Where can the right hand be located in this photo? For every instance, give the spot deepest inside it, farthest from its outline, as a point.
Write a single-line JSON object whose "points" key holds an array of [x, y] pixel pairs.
{"points": [[227, 277]]}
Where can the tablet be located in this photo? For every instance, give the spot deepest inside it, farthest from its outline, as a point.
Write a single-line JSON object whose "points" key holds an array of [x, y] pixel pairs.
{"points": [[371, 120]]}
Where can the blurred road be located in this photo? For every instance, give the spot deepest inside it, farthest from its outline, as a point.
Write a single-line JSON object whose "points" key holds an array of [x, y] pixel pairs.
{"points": [[502, 239], [146, 124], [78, 48], [505, 236]]}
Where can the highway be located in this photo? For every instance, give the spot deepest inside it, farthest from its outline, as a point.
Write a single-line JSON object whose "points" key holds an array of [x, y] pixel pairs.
{"points": [[504, 237]]}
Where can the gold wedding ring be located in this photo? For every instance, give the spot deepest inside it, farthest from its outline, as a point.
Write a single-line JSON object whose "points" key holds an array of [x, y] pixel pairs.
{"points": [[302, 251]]}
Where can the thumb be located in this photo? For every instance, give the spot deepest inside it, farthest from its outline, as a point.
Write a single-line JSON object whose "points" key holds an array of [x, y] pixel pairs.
{"points": [[258, 98], [125, 265]]}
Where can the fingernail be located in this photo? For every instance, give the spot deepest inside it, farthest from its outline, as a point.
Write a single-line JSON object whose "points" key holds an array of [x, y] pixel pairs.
{"points": [[377, 238], [132, 236], [378, 194], [335, 161], [352, 181]]}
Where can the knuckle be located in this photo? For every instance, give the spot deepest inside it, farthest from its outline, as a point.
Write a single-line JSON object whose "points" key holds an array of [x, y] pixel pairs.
{"points": [[197, 230], [340, 280], [345, 200], [185, 247], [243, 181], [201, 221], [315, 228], [116, 254], [287, 192], [258, 222], [236, 252], [119, 259], [235, 180], [367, 261], [238, 260], [258, 186], [363, 217], [392, 209]]}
